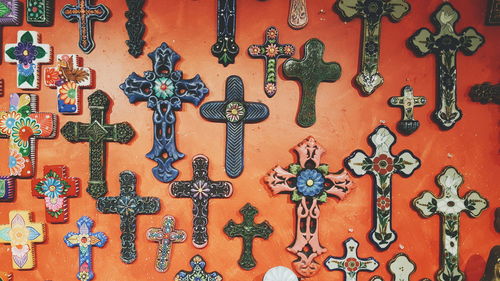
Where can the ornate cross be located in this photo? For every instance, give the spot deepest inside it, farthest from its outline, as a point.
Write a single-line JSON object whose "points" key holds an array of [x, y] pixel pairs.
{"points": [[310, 183], [297, 16], [128, 205], [97, 133], [200, 189], [85, 13], [135, 27], [485, 93], [165, 236], [40, 12], [371, 12], [23, 125], [165, 91], [7, 189], [310, 71], [407, 102], [226, 49], [235, 112], [445, 45], [198, 272], [449, 205], [85, 240]]}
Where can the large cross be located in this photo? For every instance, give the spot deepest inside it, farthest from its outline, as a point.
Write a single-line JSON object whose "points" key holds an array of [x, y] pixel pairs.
{"points": [[198, 272], [310, 71], [407, 102], [97, 133], [200, 189], [23, 125], [85, 13], [7, 189], [226, 49], [309, 182], [449, 205], [297, 15], [128, 205], [235, 112], [135, 27], [40, 12], [371, 12], [85, 240], [165, 91], [165, 237], [445, 45]]}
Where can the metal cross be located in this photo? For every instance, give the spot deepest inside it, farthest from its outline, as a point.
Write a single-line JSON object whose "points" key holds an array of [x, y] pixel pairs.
{"points": [[7, 189], [135, 27], [226, 49], [297, 16], [40, 12], [407, 102], [165, 237], [198, 272]]}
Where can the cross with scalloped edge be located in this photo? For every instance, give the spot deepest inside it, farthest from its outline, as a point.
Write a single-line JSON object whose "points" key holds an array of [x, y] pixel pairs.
{"points": [[407, 102], [7, 189], [198, 272], [165, 237]]}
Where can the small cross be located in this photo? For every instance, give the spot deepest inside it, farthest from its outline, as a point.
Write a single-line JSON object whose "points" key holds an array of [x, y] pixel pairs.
{"points": [[165, 236], [40, 12], [226, 49], [235, 112], [297, 16], [68, 77], [55, 188], [23, 125], [198, 272], [310, 71], [7, 189], [10, 13], [445, 45], [271, 51], [371, 12], [5, 276], [350, 263], [28, 54], [128, 205], [135, 27], [97, 133], [85, 239], [400, 267], [449, 205], [407, 102], [21, 234], [85, 13], [485, 93], [165, 91], [200, 189]]}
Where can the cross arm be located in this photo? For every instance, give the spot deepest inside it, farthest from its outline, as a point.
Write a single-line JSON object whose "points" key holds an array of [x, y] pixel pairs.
{"points": [[472, 40], [137, 88], [475, 204], [189, 90], [418, 42], [341, 184], [120, 132], [256, 112], [72, 239], [277, 179], [214, 111], [148, 205], [221, 189], [425, 204], [69, 13], [180, 189], [263, 230], [107, 205], [75, 131], [233, 230], [397, 9], [347, 9], [98, 239], [359, 163], [406, 163]]}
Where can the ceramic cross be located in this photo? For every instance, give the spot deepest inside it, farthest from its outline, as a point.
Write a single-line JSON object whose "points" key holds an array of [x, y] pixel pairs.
{"points": [[485, 93], [235, 112], [271, 51], [4, 276], [128, 205], [23, 125], [85, 240], [165, 91], [449, 205], [28, 53], [198, 272], [280, 273], [371, 12], [445, 45], [97, 133], [407, 102], [21, 234], [309, 182], [40, 12], [310, 71], [226, 49], [297, 16], [200, 189], [135, 27], [400, 267], [492, 270], [85, 14], [10, 13], [165, 236], [7, 189]]}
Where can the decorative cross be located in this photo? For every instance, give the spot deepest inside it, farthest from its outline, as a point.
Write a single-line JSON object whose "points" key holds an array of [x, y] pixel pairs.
{"points": [[400, 267], [128, 205], [350, 263], [40, 12], [310, 71], [85, 240], [165, 91], [235, 112], [7, 189], [271, 51], [23, 125], [200, 189], [135, 27], [165, 236], [310, 183], [407, 102], [198, 272], [55, 188], [297, 17], [371, 12], [449, 205], [4, 276], [97, 133], [28, 54], [10, 13], [226, 49], [486, 93], [85, 13], [445, 45], [21, 234]]}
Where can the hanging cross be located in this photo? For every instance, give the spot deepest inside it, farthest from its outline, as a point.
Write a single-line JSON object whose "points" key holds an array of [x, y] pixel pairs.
{"points": [[128, 205], [55, 188], [310, 183], [445, 45], [10, 13], [85, 240], [198, 272], [97, 133], [382, 165], [165, 91], [40, 12], [135, 27], [200, 189], [226, 49], [310, 71], [371, 12], [165, 236], [297, 16], [21, 234], [85, 13], [449, 205], [7, 189], [407, 102], [271, 51]]}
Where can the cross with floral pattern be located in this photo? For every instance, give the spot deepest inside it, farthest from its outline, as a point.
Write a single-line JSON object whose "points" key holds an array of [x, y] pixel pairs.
{"points": [[198, 272], [166, 236]]}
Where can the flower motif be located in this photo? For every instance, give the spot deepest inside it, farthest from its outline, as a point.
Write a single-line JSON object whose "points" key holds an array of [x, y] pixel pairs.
{"points": [[83, 276], [310, 182], [68, 92], [254, 50], [54, 204], [371, 48], [373, 9], [352, 264], [200, 189], [447, 43], [16, 162], [35, 9], [383, 164], [52, 187], [272, 33], [23, 130], [383, 203], [164, 87], [51, 76], [25, 52], [448, 81], [84, 240], [272, 50], [270, 88], [235, 111], [18, 232], [26, 69], [450, 205], [288, 50], [7, 122], [20, 250], [127, 205]]}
